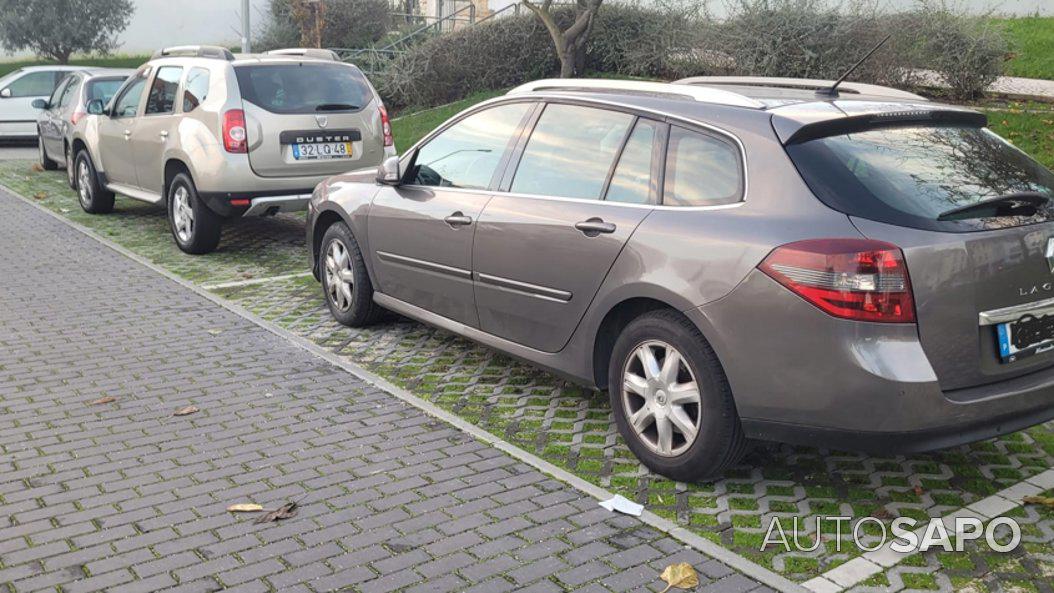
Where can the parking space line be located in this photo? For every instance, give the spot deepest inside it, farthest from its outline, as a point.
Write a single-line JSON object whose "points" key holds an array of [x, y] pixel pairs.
{"points": [[251, 281], [860, 569], [739, 563]]}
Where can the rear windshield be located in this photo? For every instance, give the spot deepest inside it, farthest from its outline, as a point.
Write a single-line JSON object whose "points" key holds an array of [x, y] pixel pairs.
{"points": [[102, 89], [910, 176], [304, 87]]}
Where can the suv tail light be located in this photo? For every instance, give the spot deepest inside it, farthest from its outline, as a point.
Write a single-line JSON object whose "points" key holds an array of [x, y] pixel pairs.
{"points": [[77, 116], [855, 279], [386, 127], [234, 131]]}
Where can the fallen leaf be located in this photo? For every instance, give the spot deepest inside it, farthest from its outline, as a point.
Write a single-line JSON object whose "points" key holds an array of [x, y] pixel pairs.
{"points": [[680, 575], [40, 195], [103, 400], [1046, 501], [918, 491], [881, 513], [186, 411], [246, 275], [37, 168], [285, 511], [245, 507], [215, 332], [64, 210]]}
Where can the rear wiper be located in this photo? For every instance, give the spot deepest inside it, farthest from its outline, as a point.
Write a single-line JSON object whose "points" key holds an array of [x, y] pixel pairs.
{"points": [[335, 107], [1024, 203]]}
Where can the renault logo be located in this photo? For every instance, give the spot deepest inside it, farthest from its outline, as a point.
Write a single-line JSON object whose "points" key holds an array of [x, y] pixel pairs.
{"points": [[323, 121], [1050, 254]]}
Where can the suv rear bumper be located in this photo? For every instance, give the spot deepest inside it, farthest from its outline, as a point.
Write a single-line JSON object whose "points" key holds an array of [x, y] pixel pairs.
{"points": [[260, 203], [801, 376]]}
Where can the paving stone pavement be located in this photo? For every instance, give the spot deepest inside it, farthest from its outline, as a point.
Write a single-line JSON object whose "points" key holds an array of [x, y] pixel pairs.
{"points": [[123, 496]]}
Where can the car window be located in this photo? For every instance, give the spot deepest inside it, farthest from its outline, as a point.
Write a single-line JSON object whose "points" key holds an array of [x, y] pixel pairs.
{"points": [[70, 91], [128, 102], [570, 151], [701, 170], [632, 180], [196, 88], [162, 97], [56, 97], [304, 87], [102, 89], [35, 84], [467, 153]]}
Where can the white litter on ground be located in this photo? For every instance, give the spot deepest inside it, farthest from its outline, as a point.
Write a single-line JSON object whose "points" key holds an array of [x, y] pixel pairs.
{"points": [[623, 505]]}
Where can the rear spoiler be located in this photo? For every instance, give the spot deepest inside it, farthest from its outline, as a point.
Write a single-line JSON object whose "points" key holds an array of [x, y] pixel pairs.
{"points": [[791, 131]]}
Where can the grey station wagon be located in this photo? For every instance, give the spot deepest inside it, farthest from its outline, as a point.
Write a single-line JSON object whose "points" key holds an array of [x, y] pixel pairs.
{"points": [[731, 258]]}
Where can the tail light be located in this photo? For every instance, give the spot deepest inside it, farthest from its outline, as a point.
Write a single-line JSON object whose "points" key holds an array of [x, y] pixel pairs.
{"points": [[77, 116], [386, 127], [855, 279], [234, 131]]}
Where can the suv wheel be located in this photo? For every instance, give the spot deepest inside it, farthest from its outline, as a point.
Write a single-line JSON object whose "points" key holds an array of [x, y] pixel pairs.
{"points": [[195, 228], [345, 282], [671, 400], [71, 169], [45, 162], [93, 197]]}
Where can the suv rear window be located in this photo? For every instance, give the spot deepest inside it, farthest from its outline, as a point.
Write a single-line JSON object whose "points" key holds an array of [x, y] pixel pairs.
{"points": [[102, 89], [909, 176], [304, 87]]}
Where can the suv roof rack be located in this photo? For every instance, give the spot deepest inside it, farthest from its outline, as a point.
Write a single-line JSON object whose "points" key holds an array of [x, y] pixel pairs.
{"points": [[810, 84], [307, 52], [698, 93], [196, 51]]}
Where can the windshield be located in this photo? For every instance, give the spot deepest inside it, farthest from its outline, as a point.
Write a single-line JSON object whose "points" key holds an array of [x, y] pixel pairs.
{"points": [[909, 176], [304, 87]]}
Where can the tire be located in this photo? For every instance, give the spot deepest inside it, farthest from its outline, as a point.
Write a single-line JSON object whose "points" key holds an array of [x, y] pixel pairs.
{"points": [[93, 197], [45, 161], [71, 175], [195, 228], [351, 305], [718, 442]]}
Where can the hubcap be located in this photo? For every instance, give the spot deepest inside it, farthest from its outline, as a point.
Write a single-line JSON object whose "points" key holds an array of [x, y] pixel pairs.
{"points": [[340, 277], [661, 398], [84, 183], [182, 214]]}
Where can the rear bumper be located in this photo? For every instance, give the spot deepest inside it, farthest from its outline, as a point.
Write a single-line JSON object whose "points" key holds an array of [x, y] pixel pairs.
{"points": [[260, 203], [801, 376]]}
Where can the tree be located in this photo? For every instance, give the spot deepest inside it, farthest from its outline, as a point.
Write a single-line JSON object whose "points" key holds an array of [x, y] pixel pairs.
{"points": [[57, 29], [570, 43]]}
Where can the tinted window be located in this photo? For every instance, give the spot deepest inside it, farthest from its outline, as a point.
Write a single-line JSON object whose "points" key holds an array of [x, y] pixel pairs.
{"points": [[632, 182], [467, 153], [102, 89], [197, 87], [909, 176], [35, 84], [570, 152], [701, 170], [128, 101], [69, 93], [304, 87], [162, 97]]}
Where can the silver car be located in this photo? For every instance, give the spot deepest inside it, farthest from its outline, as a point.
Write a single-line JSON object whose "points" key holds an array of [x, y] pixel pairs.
{"points": [[214, 135], [67, 108], [729, 258]]}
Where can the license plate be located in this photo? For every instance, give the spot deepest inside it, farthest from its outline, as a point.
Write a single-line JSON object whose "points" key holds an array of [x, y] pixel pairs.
{"points": [[1025, 337], [321, 151]]}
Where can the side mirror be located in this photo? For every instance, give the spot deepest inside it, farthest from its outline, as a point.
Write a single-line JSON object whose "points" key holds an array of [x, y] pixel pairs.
{"points": [[39, 104], [5, 94], [388, 173], [95, 107]]}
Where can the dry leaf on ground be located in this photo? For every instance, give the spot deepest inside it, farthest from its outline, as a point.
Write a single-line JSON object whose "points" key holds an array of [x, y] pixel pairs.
{"points": [[37, 167], [103, 400], [40, 195], [1046, 501], [285, 511], [186, 410], [215, 332], [245, 507], [680, 575]]}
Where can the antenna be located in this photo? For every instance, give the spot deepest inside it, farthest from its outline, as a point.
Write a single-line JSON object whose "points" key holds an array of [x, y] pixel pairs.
{"points": [[833, 90]]}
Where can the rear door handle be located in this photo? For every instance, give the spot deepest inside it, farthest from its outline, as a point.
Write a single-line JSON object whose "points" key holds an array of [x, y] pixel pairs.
{"points": [[458, 219], [163, 133], [127, 133], [595, 226]]}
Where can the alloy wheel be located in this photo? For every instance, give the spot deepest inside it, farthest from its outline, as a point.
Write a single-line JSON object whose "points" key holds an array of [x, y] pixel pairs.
{"points": [[182, 214], [84, 183], [340, 276], [661, 398]]}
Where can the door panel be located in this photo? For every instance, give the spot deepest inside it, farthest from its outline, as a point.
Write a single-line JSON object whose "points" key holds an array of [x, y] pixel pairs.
{"points": [[153, 130], [418, 255], [116, 130], [536, 273]]}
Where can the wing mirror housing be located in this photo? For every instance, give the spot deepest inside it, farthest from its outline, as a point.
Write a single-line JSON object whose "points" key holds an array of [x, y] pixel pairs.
{"points": [[39, 104], [5, 94], [389, 173], [95, 107]]}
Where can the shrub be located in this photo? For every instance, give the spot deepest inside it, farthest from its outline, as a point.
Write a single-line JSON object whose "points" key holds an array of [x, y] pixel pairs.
{"points": [[657, 40], [347, 24]]}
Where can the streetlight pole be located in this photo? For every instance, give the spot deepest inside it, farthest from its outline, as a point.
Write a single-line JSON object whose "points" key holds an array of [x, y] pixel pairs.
{"points": [[246, 32]]}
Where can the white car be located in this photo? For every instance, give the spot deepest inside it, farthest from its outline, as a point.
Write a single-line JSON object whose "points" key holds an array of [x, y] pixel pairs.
{"points": [[18, 90]]}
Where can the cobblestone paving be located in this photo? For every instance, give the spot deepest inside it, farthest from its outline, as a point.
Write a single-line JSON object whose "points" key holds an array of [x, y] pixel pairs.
{"points": [[122, 496], [571, 427]]}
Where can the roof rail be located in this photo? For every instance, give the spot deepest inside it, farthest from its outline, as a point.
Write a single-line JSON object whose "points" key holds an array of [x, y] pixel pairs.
{"points": [[701, 94], [196, 51], [307, 52], [811, 84]]}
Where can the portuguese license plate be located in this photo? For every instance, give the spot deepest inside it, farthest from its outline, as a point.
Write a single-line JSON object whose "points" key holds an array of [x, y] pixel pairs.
{"points": [[1025, 337], [322, 151]]}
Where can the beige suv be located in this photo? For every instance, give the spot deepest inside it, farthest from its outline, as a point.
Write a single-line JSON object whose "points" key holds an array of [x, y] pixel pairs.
{"points": [[214, 135]]}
